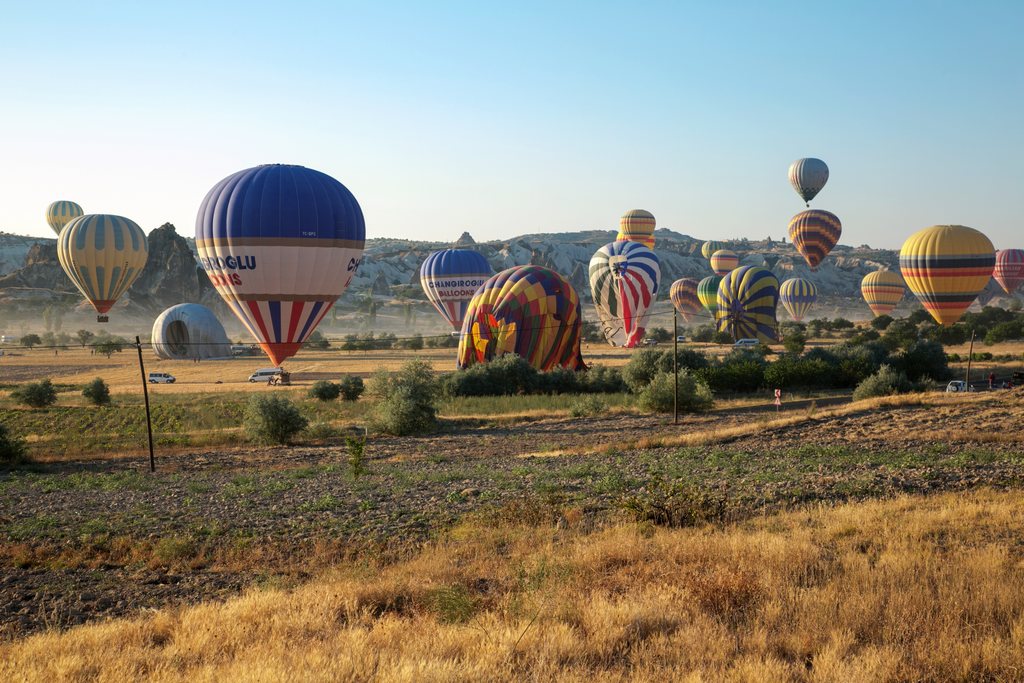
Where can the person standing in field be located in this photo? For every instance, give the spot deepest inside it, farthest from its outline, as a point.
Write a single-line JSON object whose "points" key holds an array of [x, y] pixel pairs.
{"points": [[991, 380]]}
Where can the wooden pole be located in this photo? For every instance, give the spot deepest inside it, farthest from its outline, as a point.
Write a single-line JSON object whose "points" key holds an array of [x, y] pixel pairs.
{"points": [[145, 395], [675, 366], [970, 357]]}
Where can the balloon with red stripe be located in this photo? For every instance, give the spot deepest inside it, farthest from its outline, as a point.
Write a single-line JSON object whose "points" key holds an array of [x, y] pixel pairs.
{"points": [[814, 232], [724, 260], [624, 279], [280, 244], [1009, 271], [683, 294]]}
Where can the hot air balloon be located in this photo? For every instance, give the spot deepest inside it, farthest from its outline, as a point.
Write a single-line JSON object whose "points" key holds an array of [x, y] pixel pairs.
{"points": [[624, 278], [61, 212], [1009, 270], [747, 298], [814, 232], [882, 289], [946, 267], [189, 331], [710, 247], [637, 226], [723, 260], [450, 278], [798, 295], [528, 310], [684, 297], [808, 176], [707, 292], [281, 244], [102, 254]]}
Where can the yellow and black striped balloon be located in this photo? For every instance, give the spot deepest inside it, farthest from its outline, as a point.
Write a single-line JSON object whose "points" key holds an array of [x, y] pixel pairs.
{"points": [[882, 290], [797, 295], [814, 233], [637, 226], [102, 254], [724, 260], [747, 299], [946, 267], [684, 297], [62, 212]]}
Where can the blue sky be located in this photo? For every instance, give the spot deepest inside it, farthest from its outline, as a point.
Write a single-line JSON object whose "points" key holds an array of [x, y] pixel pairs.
{"points": [[524, 117]]}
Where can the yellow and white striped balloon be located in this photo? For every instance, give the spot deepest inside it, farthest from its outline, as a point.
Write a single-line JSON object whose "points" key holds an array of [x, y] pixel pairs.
{"points": [[62, 212], [102, 254]]}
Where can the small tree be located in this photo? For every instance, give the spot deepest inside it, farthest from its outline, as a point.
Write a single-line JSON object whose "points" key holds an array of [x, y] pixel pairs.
{"points": [[316, 340], [12, 448], [30, 340], [324, 390], [885, 382], [795, 342], [110, 346], [352, 388], [97, 392], [658, 396], [881, 322], [36, 394], [84, 336], [405, 399], [273, 419]]}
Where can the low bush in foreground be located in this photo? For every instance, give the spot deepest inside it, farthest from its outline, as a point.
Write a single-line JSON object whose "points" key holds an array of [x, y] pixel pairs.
{"points": [[12, 448], [658, 396], [886, 382], [97, 392], [273, 419], [406, 400], [37, 394], [323, 390], [352, 388]]}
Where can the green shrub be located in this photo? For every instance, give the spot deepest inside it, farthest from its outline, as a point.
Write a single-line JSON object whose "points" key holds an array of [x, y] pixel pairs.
{"points": [[406, 399], [791, 371], [795, 342], [588, 406], [657, 396], [881, 322], [885, 382], [676, 504], [97, 392], [600, 379], [687, 359], [352, 388], [324, 390], [320, 431], [641, 369], [273, 419], [12, 448], [924, 358], [37, 394], [739, 371], [356, 455]]}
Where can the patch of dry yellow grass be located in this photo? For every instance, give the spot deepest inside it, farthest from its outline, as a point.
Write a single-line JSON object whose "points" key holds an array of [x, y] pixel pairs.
{"points": [[907, 589]]}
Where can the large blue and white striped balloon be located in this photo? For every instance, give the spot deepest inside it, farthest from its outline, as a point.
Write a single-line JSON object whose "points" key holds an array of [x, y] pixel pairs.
{"points": [[450, 278], [281, 244]]}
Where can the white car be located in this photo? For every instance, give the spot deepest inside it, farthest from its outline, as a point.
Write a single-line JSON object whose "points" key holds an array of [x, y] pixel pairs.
{"points": [[957, 386], [746, 342], [161, 378]]}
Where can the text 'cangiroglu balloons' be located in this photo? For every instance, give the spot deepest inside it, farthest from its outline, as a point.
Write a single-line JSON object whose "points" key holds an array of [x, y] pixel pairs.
{"points": [[707, 293], [946, 267], [1009, 270], [808, 176], [724, 260], [528, 310], [747, 298], [882, 290], [797, 295], [102, 254], [450, 278], [62, 212], [683, 294], [814, 232], [280, 244], [624, 279], [637, 226]]}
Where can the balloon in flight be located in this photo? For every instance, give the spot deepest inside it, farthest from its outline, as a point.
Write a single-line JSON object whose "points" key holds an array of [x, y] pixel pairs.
{"points": [[797, 295], [637, 226], [530, 311], [624, 279], [707, 293], [882, 290], [1009, 269], [710, 247], [62, 212], [946, 267], [280, 243], [747, 298], [683, 294], [808, 176], [450, 278], [724, 260], [814, 232]]}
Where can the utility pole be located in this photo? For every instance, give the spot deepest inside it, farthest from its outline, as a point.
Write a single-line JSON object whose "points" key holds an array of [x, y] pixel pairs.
{"points": [[970, 357], [145, 395], [675, 366]]}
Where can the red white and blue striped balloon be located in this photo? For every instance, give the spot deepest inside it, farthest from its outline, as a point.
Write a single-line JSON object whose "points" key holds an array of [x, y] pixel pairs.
{"points": [[624, 279], [797, 295], [280, 244], [1009, 271]]}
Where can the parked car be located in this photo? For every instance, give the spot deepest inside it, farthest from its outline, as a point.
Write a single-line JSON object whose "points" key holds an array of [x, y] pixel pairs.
{"points": [[649, 342], [265, 374], [746, 342], [958, 385], [161, 378], [680, 339]]}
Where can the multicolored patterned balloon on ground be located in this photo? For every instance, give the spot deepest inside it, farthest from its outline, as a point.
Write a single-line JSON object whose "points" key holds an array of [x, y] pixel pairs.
{"points": [[814, 233], [450, 278], [637, 226], [683, 294], [280, 244], [798, 295], [808, 176], [62, 212], [528, 310], [946, 267], [710, 247], [102, 254], [624, 279], [882, 290], [724, 260], [747, 298], [1009, 270], [707, 293]]}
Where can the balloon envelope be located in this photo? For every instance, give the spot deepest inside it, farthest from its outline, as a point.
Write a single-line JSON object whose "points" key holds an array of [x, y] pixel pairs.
{"points": [[882, 289], [707, 292], [808, 176], [1009, 269], [637, 226], [528, 310], [450, 278], [62, 212], [797, 295], [710, 247], [747, 298], [281, 244], [102, 254], [946, 267], [814, 232], [189, 331], [683, 294], [624, 279], [724, 260]]}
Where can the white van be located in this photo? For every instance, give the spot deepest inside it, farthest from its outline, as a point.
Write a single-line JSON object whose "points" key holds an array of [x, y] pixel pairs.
{"points": [[264, 375], [746, 342], [161, 378]]}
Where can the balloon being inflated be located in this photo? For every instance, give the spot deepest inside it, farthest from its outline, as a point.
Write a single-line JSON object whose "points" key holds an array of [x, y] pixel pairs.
{"points": [[450, 278]]}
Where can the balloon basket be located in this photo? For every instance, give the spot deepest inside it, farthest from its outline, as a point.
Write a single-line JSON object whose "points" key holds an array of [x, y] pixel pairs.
{"points": [[103, 318]]}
